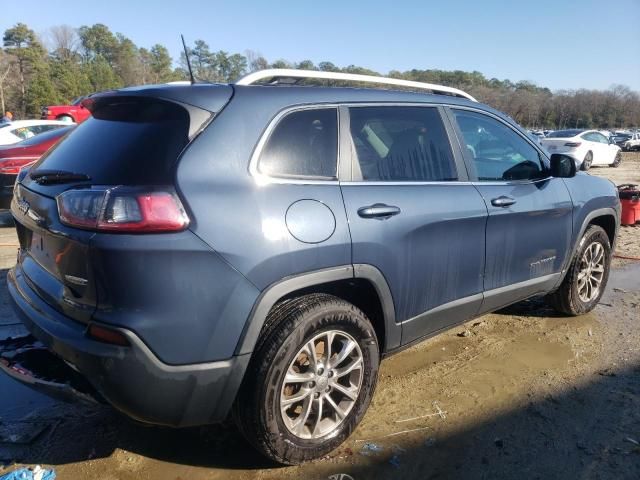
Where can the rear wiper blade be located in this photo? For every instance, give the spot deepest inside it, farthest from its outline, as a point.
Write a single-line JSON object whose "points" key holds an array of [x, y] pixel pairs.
{"points": [[48, 177]]}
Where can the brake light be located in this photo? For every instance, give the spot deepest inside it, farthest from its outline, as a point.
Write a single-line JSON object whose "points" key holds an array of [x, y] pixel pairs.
{"points": [[123, 209], [573, 144], [13, 167]]}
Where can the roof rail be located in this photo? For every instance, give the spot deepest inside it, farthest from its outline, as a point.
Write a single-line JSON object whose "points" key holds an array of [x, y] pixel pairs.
{"points": [[276, 73]]}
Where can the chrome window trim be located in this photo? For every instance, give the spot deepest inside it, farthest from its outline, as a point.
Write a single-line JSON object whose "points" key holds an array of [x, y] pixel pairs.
{"points": [[263, 178]]}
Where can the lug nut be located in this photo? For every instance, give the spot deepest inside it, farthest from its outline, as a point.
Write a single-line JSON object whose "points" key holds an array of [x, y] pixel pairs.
{"points": [[311, 384], [316, 395], [320, 371]]}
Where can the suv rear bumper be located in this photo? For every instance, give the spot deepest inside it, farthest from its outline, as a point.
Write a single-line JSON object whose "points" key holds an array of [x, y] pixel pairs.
{"points": [[132, 378]]}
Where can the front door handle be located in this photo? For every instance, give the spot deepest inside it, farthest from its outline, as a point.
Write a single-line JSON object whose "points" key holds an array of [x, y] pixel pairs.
{"points": [[503, 201], [379, 210]]}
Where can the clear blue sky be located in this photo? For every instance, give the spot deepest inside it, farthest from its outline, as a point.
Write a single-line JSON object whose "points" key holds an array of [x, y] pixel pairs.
{"points": [[558, 44]]}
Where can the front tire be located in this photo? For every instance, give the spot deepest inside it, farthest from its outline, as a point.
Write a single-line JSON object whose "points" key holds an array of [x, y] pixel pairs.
{"points": [[588, 160], [65, 118], [587, 276], [617, 160], [310, 380]]}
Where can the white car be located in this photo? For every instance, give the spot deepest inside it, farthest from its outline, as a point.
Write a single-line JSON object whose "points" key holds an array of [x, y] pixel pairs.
{"points": [[14, 132], [586, 147], [633, 143]]}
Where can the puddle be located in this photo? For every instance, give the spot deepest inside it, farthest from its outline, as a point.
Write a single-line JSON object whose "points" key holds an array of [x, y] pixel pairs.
{"points": [[528, 352], [422, 356], [626, 278]]}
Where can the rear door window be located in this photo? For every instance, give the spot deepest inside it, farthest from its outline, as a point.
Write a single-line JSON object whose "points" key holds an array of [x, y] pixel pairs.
{"points": [[303, 144], [397, 143]]}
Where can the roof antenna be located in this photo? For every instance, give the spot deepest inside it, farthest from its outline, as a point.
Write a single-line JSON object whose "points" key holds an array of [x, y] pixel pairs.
{"points": [[186, 56]]}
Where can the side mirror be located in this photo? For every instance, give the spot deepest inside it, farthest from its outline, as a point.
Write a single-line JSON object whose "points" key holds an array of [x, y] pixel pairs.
{"points": [[562, 166]]}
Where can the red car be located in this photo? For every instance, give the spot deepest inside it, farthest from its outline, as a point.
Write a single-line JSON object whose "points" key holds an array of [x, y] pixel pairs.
{"points": [[15, 156], [76, 112]]}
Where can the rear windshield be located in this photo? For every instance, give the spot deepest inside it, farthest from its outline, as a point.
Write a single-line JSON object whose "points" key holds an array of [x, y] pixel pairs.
{"points": [[127, 141], [564, 133], [46, 136]]}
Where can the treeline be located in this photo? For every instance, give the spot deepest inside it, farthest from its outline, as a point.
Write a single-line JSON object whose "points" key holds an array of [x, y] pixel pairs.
{"points": [[68, 62]]}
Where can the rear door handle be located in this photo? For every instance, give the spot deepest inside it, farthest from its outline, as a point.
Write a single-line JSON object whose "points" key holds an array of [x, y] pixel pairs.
{"points": [[379, 210], [503, 201]]}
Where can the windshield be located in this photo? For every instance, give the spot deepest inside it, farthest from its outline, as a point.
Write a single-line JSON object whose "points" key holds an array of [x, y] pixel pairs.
{"points": [[564, 133], [76, 101]]}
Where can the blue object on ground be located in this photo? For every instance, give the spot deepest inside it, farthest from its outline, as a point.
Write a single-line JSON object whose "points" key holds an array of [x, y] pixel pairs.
{"points": [[24, 473]]}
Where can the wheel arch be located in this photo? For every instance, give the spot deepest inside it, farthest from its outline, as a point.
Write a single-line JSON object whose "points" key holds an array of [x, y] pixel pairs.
{"points": [[607, 218], [608, 224], [360, 284]]}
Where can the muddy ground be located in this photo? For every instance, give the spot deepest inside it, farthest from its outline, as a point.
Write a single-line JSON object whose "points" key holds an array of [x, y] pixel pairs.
{"points": [[522, 393]]}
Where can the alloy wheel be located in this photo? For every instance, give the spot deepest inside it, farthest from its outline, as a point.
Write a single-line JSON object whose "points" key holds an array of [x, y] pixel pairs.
{"points": [[321, 385], [591, 272]]}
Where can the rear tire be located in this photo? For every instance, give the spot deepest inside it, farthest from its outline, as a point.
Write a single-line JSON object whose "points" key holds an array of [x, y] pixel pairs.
{"points": [[587, 276], [617, 161], [65, 118], [586, 163], [284, 371]]}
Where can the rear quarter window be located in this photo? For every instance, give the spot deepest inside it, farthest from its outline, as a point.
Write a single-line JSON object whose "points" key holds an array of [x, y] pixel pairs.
{"points": [[304, 143]]}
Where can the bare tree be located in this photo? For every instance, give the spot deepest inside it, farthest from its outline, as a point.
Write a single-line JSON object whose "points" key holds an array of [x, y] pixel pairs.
{"points": [[64, 41], [5, 69], [255, 61]]}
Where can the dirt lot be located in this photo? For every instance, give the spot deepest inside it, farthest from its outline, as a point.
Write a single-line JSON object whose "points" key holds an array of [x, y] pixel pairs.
{"points": [[522, 393]]}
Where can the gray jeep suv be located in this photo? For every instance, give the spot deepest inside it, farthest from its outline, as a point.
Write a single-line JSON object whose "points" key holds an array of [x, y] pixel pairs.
{"points": [[196, 251]]}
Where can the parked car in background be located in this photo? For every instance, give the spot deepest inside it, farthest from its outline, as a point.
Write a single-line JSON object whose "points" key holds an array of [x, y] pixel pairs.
{"points": [[606, 133], [632, 143], [537, 133], [19, 130], [193, 251], [75, 112], [586, 147], [621, 138], [18, 155]]}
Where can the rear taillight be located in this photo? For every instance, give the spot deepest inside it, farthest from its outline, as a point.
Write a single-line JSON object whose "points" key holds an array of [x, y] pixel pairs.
{"points": [[123, 209], [13, 167], [573, 144]]}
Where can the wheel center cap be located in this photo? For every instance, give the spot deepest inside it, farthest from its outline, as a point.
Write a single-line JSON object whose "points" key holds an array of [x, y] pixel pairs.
{"points": [[322, 383]]}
